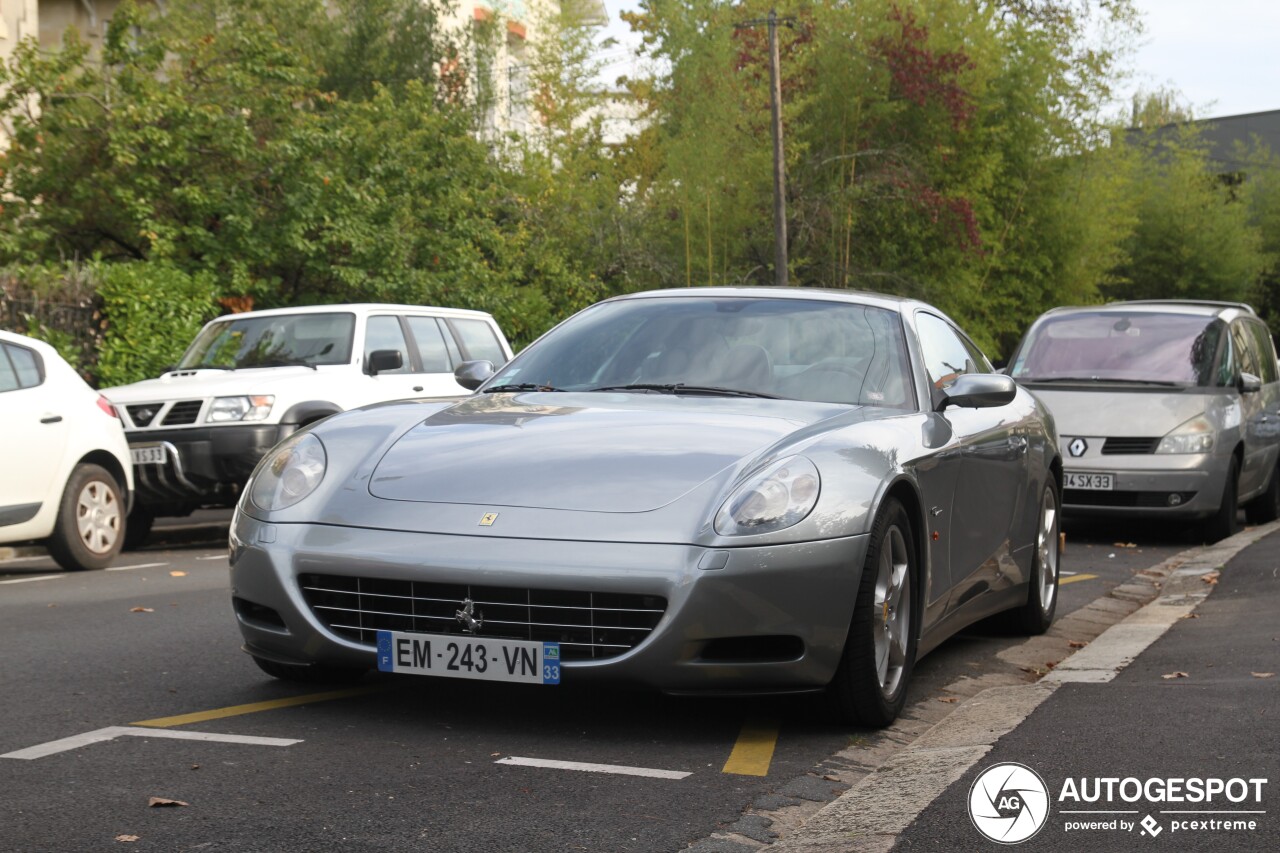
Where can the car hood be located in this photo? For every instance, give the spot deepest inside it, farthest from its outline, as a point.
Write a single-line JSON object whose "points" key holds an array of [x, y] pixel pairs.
{"points": [[210, 383], [1143, 413], [588, 452]]}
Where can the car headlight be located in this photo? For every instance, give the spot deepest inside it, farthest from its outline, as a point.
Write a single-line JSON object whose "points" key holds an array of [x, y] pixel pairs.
{"points": [[289, 473], [774, 499], [1194, 436], [239, 408]]}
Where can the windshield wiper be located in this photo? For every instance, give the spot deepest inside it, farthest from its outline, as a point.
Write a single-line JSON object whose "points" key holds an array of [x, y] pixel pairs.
{"points": [[682, 388], [200, 367], [1100, 379], [282, 362], [519, 386]]}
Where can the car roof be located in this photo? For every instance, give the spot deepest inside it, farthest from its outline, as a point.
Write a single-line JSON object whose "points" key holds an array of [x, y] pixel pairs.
{"points": [[1192, 307], [860, 297], [359, 308], [39, 346]]}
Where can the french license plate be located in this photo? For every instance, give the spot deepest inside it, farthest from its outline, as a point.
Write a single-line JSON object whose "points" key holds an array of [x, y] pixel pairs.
{"points": [[1091, 482], [147, 454], [454, 656]]}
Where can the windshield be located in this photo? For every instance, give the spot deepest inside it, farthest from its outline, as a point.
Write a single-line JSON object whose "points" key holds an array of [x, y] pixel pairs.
{"points": [[272, 341], [823, 351], [1138, 347]]}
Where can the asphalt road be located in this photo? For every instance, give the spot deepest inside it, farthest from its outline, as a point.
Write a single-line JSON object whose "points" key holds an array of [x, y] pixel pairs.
{"points": [[404, 763]]}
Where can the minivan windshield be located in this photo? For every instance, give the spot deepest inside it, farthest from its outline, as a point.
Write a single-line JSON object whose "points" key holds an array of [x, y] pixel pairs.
{"points": [[272, 341], [816, 350], [1108, 346]]}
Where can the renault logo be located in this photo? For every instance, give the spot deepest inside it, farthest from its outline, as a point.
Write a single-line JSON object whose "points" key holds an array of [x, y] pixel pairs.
{"points": [[1078, 447]]}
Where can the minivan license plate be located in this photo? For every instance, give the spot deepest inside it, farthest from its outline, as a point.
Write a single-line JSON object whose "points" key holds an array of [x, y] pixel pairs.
{"points": [[1091, 482], [456, 656]]}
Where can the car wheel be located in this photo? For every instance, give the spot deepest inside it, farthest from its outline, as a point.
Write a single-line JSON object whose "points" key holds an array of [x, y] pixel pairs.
{"points": [[89, 531], [1265, 507], [309, 674], [138, 526], [1036, 615], [1226, 522], [870, 685]]}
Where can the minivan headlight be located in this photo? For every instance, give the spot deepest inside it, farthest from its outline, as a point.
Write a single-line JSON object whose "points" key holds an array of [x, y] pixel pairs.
{"points": [[1194, 436], [776, 498], [254, 408], [289, 473]]}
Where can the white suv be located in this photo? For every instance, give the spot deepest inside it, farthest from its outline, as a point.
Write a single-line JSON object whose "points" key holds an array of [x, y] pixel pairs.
{"points": [[65, 475], [249, 380]]}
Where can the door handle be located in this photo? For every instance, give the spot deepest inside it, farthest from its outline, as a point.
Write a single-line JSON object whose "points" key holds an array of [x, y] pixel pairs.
{"points": [[417, 388], [51, 419]]}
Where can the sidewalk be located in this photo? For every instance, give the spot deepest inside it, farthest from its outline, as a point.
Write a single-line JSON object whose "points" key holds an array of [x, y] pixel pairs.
{"points": [[1186, 707]]}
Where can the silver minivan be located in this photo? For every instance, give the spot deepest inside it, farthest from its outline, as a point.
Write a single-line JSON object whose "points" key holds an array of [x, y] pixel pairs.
{"points": [[1165, 409]]}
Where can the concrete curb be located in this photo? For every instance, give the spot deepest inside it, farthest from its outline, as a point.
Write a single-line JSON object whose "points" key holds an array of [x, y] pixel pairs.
{"points": [[871, 815]]}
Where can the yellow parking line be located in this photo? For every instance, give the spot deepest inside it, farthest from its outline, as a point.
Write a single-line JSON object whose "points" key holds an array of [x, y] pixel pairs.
{"points": [[1075, 578], [754, 750], [255, 707]]}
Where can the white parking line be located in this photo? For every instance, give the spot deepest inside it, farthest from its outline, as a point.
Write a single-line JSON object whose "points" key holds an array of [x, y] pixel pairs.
{"points": [[593, 768], [26, 559], [131, 568], [112, 732], [37, 578], [214, 557]]}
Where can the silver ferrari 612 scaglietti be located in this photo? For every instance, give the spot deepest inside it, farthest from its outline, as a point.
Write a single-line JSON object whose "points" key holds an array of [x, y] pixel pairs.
{"points": [[722, 490]]}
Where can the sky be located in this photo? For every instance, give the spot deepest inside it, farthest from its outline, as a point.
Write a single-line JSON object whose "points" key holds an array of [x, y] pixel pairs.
{"points": [[1223, 56]]}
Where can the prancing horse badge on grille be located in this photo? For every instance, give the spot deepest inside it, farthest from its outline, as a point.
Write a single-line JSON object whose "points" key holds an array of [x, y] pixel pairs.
{"points": [[488, 519], [467, 616]]}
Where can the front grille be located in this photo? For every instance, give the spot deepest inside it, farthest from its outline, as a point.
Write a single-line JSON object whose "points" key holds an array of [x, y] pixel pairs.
{"points": [[144, 413], [1115, 446], [588, 625], [183, 412]]}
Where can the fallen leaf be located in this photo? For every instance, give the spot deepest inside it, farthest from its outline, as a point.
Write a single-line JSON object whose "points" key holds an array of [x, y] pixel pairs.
{"points": [[1076, 644], [141, 609], [1124, 545], [177, 574], [156, 802], [1189, 616], [494, 754], [195, 766], [53, 605], [949, 699], [1210, 578], [1175, 675], [127, 838], [1263, 674]]}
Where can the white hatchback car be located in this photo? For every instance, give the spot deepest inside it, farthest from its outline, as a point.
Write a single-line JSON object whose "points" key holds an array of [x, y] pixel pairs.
{"points": [[65, 476]]}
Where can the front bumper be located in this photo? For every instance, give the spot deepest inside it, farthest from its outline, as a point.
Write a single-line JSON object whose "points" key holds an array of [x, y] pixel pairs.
{"points": [[204, 466], [1184, 486], [772, 619]]}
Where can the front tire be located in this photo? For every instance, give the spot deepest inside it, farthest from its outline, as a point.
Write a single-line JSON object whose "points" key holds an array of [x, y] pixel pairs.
{"points": [[870, 684], [89, 531], [1226, 523], [1036, 615]]}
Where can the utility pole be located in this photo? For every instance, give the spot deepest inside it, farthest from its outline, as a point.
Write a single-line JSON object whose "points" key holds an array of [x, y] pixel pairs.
{"points": [[779, 167]]}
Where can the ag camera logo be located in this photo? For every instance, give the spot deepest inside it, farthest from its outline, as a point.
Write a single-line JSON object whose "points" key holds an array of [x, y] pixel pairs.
{"points": [[1009, 803]]}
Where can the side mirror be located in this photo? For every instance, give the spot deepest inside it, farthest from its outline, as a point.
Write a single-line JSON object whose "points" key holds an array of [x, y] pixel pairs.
{"points": [[1250, 384], [472, 374], [382, 360], [979, 391]]}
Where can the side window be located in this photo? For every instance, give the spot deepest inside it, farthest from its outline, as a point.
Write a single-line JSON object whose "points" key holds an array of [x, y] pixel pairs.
{"points": [[479, 342], [19, 369], [1227, 367], [1246, 349], [384, 332], [1266, 352], [431, 346], [8, 376], [946, 354]]}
